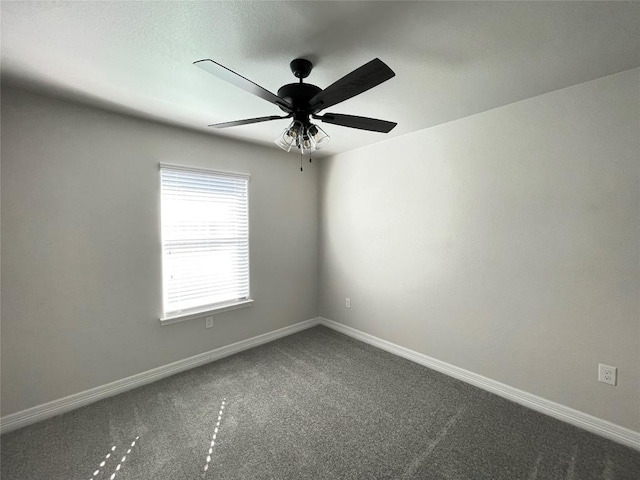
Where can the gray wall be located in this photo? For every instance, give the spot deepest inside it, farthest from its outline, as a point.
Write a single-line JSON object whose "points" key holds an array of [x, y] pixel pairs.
{"points": [[506, 243], [81, 260]]}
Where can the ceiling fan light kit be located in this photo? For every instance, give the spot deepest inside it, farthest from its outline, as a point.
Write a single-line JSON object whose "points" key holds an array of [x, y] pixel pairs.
{"points": [[303, 101], [306, 138]]}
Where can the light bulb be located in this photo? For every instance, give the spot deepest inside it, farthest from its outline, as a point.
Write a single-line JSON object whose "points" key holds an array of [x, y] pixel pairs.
{"points": [[295, 129], [305, 145]]}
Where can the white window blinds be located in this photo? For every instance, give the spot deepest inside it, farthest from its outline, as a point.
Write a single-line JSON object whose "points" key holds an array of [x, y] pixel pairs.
{"points": [[205, 238]]}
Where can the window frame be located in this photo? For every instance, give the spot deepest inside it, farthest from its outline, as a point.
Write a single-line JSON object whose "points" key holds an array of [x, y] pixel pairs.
{"points": [[212, 309]]}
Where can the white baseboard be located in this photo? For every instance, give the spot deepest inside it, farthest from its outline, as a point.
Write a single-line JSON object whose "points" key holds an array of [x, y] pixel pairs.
{"points": [[77, 400], [580, 419]]}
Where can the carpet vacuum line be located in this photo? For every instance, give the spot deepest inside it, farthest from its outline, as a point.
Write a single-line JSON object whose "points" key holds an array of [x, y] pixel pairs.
{"points": [[109, 455], [213, 438]]}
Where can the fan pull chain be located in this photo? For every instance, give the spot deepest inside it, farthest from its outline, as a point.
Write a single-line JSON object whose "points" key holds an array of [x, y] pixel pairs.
{"points": [[301, 160]]}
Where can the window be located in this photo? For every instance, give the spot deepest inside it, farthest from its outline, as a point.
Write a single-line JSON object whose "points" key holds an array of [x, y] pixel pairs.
{"points": [[205, 241]]}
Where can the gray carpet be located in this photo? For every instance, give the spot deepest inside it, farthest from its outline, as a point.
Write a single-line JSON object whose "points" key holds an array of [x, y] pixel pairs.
{"points": [[314, 405]]}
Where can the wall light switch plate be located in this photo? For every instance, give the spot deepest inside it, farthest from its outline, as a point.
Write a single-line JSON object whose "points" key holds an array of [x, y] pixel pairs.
{"points": [[209, 322], [607, 374], [347, 302]]}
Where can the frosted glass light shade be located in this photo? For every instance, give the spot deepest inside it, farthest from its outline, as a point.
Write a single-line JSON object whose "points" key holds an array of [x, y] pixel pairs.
{"points": [[305, 145], [289, 136], [318, 137]]}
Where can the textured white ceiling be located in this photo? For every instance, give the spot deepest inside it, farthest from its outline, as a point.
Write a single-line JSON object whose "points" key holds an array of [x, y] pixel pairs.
{"points": [[452, 59]]}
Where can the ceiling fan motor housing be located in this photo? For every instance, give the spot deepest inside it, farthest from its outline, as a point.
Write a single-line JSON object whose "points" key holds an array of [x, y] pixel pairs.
{"points": [[298, 95]]}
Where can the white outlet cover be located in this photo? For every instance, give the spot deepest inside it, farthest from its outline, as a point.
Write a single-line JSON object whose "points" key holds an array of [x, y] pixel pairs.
{"points": [[209, 322], [607, 374]]}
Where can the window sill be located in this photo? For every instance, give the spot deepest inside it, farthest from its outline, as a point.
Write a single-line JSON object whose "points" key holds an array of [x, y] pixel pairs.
{"points": [[192, 314]]}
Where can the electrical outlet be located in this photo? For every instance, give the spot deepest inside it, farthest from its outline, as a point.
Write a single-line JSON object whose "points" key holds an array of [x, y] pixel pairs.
{"points": [[347, 302], [209, 322], [607, 374]]}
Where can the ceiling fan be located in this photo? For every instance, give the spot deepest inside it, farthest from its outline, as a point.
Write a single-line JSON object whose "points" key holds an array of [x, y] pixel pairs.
{"points": [[303, 101]]}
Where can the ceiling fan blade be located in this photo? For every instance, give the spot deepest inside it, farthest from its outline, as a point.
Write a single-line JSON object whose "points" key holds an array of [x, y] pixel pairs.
{"points": [[363, 123], [239, 81], [360, 80], [248, 121]]}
